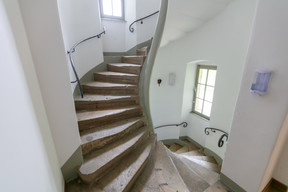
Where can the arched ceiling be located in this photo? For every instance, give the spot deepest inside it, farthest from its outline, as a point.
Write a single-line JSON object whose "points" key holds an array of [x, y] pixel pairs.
{"points": [[184, 16]]}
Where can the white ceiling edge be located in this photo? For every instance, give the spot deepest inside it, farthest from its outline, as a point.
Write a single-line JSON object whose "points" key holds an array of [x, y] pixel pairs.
{"points": [[185, 16]]}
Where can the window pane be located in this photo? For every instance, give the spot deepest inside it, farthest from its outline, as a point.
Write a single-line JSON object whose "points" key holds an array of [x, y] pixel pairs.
{"points": [[211, 77], [199, 105], [107, 7], [202, 76], [200, 91], [209, 94], [207, 108], [117, 8]]}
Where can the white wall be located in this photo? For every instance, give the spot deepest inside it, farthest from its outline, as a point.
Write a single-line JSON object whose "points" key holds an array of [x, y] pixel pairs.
{"points": [[28, 157], [80, 20], [119, 38], [143, 8], [218, 42], [43, 30], [257, 120]]}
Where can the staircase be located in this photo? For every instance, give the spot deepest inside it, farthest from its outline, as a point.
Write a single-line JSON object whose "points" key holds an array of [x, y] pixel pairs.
{"points": [[119, 149]]}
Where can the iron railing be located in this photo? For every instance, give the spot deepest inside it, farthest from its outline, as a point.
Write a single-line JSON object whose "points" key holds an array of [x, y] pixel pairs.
{"points": [[184, 124], [131, 29], [221, 139], [72, 50]]}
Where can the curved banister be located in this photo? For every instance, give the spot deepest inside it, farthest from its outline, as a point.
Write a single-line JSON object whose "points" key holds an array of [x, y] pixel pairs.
{"points": [[149, 62], [131, 29], [72, 50], [221, 139], [184, 124]]}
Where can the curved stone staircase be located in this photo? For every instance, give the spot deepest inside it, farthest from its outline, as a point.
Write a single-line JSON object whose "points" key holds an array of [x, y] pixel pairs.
{"points": [[119, 148]]}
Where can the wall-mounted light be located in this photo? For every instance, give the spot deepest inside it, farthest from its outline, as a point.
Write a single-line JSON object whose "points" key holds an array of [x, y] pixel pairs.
{"points": [[260, 86], [159, 81]]}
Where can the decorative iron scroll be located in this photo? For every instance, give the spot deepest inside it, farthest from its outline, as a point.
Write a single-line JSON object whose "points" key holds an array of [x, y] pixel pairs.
{"points": [[184, 124], [221, 139], [131, 29]]}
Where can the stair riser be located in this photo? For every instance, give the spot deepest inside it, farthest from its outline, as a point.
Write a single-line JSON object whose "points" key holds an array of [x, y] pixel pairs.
{"points": [[110, 91], [116, 79], [130, 70], [133, 60], [94, 145], [108, 167], [92, 123], [116, 103]]}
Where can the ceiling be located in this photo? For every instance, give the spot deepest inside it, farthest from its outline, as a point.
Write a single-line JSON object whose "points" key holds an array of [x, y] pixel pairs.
{"points": [[184, 16]]}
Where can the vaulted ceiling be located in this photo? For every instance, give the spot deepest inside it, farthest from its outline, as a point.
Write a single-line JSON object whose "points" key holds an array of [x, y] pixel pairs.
{"points": [[184, 16]]}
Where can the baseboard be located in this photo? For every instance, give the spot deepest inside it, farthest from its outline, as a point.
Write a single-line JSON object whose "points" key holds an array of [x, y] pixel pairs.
{"points": [[274, 184], [192, 141], [69, 169], [171, 141], [230, 183]]}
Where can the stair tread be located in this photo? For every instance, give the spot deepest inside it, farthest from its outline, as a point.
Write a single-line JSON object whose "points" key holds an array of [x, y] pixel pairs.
{"points": [[108, 85], [205, 158], [125, 65], [193, 181], [123, 176], [95, 97], [104, 159], [208, 165], [193, 153], [111, 73], [160, 175], [209, 176], [86, 115], [217, 187], [175, 146], [109, 130], [182, 150]]}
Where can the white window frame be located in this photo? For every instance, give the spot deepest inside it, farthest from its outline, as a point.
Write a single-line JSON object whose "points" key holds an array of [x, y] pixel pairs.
{"points": [[208, 67], [122, 17]]}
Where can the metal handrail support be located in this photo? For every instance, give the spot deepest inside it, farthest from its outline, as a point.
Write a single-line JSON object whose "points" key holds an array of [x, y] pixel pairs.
{"points": [[131, 29], [72, 50]]}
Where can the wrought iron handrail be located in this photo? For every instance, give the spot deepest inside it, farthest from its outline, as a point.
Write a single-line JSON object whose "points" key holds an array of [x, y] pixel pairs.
{"points": [[221, 139], [184, 124], [131, 29], [72, 50]]}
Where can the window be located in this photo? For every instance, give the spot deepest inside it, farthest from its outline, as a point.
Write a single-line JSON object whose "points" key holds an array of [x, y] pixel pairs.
{"points": [[204, 90], [112, 9]]}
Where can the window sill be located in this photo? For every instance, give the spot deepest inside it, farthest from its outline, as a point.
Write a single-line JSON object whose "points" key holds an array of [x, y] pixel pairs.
{"points": [[199, 116], [112, 19]]}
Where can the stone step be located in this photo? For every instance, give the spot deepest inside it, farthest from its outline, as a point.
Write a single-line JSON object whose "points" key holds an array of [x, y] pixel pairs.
{"points": [[104, 88], [92, 119], [124, 68], [193, 181], [124, 175], [95, 102], [208, 165], [205, 158], [116, 77], [193, 153], [105, 160], [182, 150], [174, 147], [143, 50], [134, 59], [160, 174], [99, 137], [207, 175]]}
